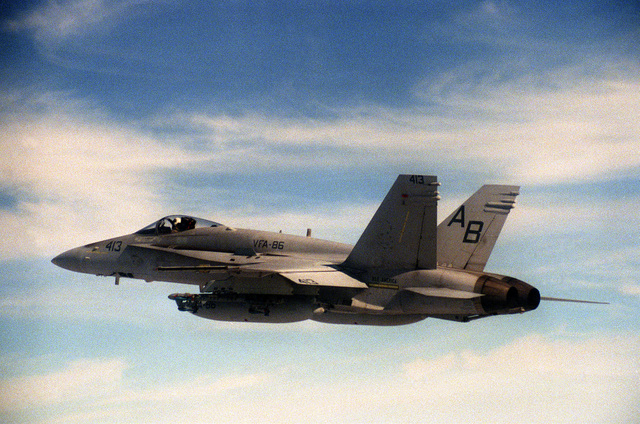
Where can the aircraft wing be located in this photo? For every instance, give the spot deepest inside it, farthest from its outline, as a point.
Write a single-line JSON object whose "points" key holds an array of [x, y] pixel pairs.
{"points": [[303, 272]]}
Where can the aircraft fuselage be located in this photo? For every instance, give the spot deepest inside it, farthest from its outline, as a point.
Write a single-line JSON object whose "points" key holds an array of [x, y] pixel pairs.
{"points": [[404, 267]]}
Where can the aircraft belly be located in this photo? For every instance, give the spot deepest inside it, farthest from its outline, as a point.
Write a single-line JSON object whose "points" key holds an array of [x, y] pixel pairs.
{"points": [[331, 317]]}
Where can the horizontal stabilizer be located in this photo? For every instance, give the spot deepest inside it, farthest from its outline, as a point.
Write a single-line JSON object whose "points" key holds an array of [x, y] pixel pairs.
{"points": [[328, 278]]}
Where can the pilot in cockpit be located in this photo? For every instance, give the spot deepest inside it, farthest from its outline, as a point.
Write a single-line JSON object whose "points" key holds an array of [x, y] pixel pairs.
{"points": [[176, 224], [184, 223]]}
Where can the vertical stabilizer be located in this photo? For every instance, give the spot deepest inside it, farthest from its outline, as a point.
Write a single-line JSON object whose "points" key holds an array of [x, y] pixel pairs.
{"points": [[402, 233], [467, 236]]}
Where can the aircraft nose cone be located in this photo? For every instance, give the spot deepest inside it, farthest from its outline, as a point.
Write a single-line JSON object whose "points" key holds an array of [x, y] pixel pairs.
{"points": [[68, 260]]}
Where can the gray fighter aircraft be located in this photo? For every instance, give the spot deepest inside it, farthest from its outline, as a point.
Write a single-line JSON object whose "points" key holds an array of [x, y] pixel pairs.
{"points": [[403, 269]]}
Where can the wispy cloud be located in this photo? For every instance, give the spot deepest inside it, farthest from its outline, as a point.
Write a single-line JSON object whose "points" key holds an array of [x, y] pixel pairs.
{"points": [[101, 391], [584, 371], [487, 17], [553, 128], [55, 21], [596, 372], [71, 171], [72, 166], [560, 214], [78, 381], [631, 289], [536, 354]]}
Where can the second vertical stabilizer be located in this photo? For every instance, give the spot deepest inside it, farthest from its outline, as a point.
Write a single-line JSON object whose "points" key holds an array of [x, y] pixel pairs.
{"points": [[467, 236]]}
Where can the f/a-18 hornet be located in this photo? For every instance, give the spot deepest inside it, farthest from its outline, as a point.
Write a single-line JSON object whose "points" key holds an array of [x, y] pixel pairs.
{"points": [[403, 269]]}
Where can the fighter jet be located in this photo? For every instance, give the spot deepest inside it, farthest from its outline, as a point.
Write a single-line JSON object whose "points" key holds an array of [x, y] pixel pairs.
{"points": [[403, 269]]}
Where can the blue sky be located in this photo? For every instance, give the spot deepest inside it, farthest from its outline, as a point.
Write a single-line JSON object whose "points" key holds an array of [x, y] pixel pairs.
{"points": [[288, 115]]}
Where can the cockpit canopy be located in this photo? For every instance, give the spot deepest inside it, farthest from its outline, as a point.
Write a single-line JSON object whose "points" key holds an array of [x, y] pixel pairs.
{"points": [[175, 224]]}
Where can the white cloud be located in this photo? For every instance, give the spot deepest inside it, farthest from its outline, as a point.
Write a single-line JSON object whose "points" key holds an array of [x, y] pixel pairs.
{"points": [[534, 379], [58, 21], [538, 379], [100, 390], [195, 389], [566, 214], [487, 16], [558, 127], [79, 380], [630, 289], [77, 177], [81, 177], [539, 355]]}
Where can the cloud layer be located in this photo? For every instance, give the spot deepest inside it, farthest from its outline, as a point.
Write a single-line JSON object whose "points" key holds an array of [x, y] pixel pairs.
{"points": [[590, 378], [71, 168]]}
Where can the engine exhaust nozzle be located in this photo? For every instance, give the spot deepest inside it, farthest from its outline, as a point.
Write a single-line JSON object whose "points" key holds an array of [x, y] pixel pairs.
{"points": [[506, 294]]}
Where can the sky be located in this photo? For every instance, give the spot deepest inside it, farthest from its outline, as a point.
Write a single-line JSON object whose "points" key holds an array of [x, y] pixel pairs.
{"points": [[289, 115]]}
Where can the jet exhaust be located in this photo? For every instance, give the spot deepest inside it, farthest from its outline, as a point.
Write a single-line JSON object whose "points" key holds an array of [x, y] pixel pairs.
{"points": [[506, 294]]}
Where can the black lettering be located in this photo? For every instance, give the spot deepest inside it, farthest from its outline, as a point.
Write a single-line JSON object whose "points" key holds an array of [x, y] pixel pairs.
{"points": [[266, 244], [472, 235], [260, 244], [417, 179], [114, 246], [277, 245], [458, 218]]}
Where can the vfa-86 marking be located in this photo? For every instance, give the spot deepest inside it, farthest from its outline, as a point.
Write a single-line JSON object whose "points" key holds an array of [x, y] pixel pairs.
{"points": [[403, 269], [268, 244]]}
